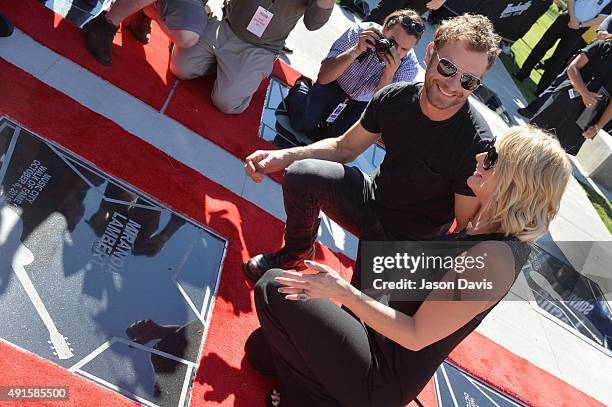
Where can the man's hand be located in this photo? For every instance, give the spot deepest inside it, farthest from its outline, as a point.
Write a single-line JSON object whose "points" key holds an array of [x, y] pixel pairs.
{"points": [[573, 24], [435, 4], [367, 40], [589, 98], [264, 162], [590, 132], [392, 62]]}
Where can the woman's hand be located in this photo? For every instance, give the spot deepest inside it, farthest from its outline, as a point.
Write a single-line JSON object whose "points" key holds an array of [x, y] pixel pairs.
{"points": [[326, 283], [589, 98], [435, 4]]}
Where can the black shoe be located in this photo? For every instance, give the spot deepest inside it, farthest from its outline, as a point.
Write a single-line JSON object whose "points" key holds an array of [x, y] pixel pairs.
{"points": [[284, 259], [6, 27], [140, 27], [98, 35], [525, 112], [287, 50], [520, 75]]}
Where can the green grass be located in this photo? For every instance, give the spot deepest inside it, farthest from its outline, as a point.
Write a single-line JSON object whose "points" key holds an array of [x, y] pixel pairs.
{"points": [[601, 204], [523, 47]]}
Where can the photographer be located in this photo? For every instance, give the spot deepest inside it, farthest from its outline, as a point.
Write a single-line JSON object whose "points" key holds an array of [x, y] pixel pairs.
{"points": [[366, 58], [431, 134]]}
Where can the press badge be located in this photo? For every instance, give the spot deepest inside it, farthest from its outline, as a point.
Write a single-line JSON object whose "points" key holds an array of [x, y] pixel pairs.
{"points": [[334, 115], [260, 21]]}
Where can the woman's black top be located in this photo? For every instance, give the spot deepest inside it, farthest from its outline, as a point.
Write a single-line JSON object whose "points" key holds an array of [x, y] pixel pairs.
{"points": [[399, 374]]}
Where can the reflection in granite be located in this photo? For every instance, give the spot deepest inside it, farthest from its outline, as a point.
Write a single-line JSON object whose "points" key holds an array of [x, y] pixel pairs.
{"points": [[568, 297], [84, 257], [457, 388]]}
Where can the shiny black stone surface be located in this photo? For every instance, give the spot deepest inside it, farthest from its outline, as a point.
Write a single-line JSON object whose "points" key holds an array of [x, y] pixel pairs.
{"points": [[87, 264], [457, 388], [570, 298]]}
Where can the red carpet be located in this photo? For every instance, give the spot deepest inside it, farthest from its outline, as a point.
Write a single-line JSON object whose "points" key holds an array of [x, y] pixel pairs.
{"points": [[224, 377]]}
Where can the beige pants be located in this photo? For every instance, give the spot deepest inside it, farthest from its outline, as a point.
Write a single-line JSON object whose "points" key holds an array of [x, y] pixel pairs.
{"points": [[240, 66]]}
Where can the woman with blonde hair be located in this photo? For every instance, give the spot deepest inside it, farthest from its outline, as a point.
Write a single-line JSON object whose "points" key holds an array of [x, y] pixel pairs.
{"points": [[381, 352]]}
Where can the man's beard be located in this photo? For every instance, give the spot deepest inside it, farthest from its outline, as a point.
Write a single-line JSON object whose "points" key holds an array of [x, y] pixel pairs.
{"points": [[438, 100]]}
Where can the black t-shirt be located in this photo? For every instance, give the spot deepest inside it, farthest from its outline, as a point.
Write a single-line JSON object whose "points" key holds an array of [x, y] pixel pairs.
{"points": [[426, 162], [598, 71]]}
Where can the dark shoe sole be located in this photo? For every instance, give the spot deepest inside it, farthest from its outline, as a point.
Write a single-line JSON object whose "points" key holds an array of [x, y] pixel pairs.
{"points": [[255, 278]]}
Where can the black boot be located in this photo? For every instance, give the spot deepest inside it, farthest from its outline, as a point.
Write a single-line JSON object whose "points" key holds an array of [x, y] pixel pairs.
{"points": [[140, 27], [6, 27], [298, 247], [98, 35]]}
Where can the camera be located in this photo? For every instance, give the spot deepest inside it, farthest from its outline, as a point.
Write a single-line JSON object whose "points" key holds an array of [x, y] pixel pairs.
{"points": [[383, 45]]}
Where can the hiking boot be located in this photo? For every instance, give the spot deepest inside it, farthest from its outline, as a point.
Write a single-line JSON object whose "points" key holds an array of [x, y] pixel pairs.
{"points": [[98, 35], [140, 27], [284, 259]]}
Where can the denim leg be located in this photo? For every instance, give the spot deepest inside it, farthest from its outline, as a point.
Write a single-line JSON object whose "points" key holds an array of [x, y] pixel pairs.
{"points": [[344, 193], [307, 107]]}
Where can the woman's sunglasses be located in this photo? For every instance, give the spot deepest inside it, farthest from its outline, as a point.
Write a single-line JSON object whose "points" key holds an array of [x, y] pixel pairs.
{"points": [[491, 158], [447, 69], [412, 27]]}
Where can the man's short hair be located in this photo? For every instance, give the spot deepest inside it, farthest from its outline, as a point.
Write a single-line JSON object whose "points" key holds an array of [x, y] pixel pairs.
{"points": [[397, 16], [474, 30]]}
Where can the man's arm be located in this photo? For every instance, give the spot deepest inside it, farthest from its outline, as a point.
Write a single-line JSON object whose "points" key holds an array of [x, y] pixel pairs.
{"points": [[318, 13], [593, 21], [465, 209], [333, 67], [341, 149], [570, 9]]}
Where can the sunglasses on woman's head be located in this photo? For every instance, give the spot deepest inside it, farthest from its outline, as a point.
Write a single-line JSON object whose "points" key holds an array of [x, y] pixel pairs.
{"points": [[491, 158], [447, 69], [413, 27]]}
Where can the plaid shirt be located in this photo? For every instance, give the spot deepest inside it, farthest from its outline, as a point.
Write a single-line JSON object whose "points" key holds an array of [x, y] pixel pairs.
{"points": [[361, 79]]}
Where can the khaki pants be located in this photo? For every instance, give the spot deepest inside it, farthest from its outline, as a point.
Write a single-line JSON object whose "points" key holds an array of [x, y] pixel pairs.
{"points": [[240, 66]]}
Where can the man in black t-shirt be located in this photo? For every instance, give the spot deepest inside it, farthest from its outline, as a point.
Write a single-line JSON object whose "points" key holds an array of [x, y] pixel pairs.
{"points": [[431, 135]]}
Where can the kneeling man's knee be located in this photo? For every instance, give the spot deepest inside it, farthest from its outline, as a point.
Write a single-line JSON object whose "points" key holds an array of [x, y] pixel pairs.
{"points": [[228, 105], [301, 172], [185, 39]]}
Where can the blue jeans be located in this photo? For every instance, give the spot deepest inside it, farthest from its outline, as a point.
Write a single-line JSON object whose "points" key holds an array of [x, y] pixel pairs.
{"points": [[309, 108]]}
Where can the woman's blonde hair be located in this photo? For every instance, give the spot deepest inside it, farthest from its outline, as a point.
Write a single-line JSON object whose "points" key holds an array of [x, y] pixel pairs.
{"points": [[531, 174]]}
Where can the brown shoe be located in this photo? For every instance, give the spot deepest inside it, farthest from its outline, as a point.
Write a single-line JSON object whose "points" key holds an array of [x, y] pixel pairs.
{"points": [[140, 27], [282, 259], [98, 35]]}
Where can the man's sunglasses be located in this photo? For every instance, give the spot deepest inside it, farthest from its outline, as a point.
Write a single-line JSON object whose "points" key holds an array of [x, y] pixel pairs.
{"points": [[447, 69], [491, 158], [413, 27]]}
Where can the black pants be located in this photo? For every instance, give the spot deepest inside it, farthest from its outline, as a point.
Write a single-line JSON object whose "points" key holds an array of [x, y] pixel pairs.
{"points": [[344, 193], [570, 40], [322, 354], [309, 109], [537, 103], [386, 7]]}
